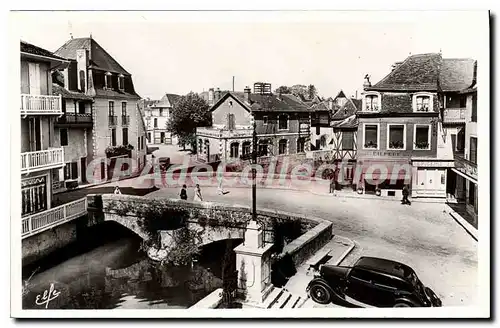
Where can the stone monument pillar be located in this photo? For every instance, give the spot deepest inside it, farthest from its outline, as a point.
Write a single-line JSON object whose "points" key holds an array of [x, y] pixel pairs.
{"points": [[253, 262]]}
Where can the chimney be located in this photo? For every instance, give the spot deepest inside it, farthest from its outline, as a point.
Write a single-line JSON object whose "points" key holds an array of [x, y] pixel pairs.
{"points": [[211, 96], [247, 94], [217, 94], [330, 104], [367, 83], [82, 61]]}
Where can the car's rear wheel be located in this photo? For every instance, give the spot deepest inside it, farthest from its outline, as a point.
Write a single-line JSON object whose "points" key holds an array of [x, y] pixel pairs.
{"points": [[402, 305], [320, 294]]}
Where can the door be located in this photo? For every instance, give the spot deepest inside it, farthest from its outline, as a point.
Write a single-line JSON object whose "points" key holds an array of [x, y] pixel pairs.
{"points": [[317, 144], [454, 142], [34, 78], [83, 168], [360, 287], [35, 134], [162, 137]]}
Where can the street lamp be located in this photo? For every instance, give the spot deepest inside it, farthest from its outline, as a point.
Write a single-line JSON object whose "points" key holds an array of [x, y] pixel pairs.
{"points": [[254, 171]]}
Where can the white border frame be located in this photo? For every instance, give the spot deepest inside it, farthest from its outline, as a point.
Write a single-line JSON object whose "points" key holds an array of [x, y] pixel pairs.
{"points": [[423, 94], [389, 132], [364, 136], [429, 133]]}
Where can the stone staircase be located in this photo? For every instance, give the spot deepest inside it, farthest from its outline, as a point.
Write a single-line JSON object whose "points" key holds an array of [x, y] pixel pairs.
{"points": [[280, 298]]}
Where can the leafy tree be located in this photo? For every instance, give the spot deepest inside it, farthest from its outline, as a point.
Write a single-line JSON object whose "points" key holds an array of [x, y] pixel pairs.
{"points": [[188, 113], [311, 91], [283, 90]]}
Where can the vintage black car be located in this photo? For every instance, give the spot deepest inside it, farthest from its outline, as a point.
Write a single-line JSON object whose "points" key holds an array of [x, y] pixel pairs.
{"points": [[371, 282]]}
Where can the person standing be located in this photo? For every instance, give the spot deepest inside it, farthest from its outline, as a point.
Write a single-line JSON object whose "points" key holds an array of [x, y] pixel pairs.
{"points": [[117, 191], [197, 193], [332, 185], [183, 193], [406, 193]]}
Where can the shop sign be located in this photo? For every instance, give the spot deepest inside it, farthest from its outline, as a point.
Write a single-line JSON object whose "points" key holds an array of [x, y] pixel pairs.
{"points": [[36, 181]]}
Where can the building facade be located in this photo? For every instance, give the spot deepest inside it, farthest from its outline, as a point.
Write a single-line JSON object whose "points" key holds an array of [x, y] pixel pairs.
{"points": [[401, 129], [41, 157], [156, 115], [282, 124], [118, 129]]}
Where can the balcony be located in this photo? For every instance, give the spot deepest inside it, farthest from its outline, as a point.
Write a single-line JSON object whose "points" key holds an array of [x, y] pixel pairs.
{"points": [[465, 166], [454, 115], [112, 120], [42, 160], [41, 105], [39, 222], [125, 120], [75, 119]]}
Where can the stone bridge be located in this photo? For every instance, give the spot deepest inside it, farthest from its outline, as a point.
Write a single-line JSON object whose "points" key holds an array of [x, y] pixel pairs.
{"points": [[210, 222]]}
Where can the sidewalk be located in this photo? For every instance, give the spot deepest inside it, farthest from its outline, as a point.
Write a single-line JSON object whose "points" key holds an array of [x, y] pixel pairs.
{"points": [[464, 219]]}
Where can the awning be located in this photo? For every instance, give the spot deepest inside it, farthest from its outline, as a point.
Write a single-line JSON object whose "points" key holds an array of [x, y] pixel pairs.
{"points": [[464, 175]]}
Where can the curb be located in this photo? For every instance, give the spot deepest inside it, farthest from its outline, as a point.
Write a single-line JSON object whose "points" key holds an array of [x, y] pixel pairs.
{"points": [[346, 252], [464, 224]]}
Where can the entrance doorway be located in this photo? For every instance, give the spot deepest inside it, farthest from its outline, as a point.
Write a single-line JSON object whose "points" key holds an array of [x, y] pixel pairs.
{"points": [[162, 137], [83, 169]]}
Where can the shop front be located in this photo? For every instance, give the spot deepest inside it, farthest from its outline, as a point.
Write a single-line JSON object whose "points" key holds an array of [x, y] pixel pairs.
{"points": [[429, 178]]}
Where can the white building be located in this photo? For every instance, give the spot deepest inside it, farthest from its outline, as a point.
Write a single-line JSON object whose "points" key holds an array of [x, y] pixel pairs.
{"points": [[156, 115]]}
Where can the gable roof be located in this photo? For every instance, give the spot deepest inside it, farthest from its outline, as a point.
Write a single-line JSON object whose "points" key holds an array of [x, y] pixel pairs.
{"points": [[98, 57], [29, 48], [415, 73], [349, 122], [266, 102], [457, 74], [341, 94], [168, 100], [349, 108]]}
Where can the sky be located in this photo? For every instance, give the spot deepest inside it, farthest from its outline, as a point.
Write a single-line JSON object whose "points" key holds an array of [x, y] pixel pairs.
{"points": [[179, 52]]}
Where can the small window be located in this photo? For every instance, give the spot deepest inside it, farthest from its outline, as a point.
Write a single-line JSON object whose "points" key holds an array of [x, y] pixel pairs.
{"points": [[111, 108], [161, 112], [318, 130], [283, 122], [125, 136], [121, 82], [348, 140], [301, 142], [107, 81], [71, 171], [396, 137], [371, 136], [246, 148], [124, 109], [263, 147], [155, 122], [361, 275], [473, 150], [422, 141], [322, 141], [138, 143], [82, 81], [234, 150], [64, 137], [423, 103], [463, 101], [264, 120], [113, 137], [149, 136], [282, 146], [230, 122], [372, 103], [474, 108]]}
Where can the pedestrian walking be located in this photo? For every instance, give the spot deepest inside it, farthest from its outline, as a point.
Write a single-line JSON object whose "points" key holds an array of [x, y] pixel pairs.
{"points": [[406, 193], [183, 193], [220, 189], [197, 193], [332, 185], [117, 191]]}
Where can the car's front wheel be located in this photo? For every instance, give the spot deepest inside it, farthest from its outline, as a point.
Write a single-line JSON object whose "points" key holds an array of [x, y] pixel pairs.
{"points": [[402, 305], [320, 294]]}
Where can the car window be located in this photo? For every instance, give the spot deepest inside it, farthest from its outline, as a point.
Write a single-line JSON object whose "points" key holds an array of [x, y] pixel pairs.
{"points": [[361, 275], [386, 281]]}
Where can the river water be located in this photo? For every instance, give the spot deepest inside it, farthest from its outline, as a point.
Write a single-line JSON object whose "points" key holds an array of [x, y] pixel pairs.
{"points": [[117, 274]]}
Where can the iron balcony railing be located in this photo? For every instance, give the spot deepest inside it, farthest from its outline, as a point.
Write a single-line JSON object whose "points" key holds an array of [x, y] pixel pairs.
{"points": [[125, 120], [41, 105], [465, 166], [41, 160], [39, 222], [75, 118], [112, 120]]}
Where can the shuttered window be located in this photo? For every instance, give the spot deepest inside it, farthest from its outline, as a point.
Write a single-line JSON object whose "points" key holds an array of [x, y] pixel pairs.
{"points": [[348, 140]]}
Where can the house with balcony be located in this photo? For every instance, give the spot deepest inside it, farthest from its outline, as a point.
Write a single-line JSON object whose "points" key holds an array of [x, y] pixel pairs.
{"points": [[401, 129], [156, 115], [118, 129], [282, 124], [41, 156]]}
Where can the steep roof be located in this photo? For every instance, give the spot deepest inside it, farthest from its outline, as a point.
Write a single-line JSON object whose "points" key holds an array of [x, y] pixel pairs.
{"points": [[415, 73], [266, 102], [168, 100], [341, 94], [69, 94], [456, 74], [99, 58], [350, 122], [349, 108], [35, 50]]}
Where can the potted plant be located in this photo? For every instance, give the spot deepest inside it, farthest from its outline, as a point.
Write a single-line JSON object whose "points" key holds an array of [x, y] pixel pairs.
{"points": [[378, 191], [370, 144]]}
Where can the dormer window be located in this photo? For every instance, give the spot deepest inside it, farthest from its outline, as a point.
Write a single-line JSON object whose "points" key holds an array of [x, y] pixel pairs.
{"points": [[422, 102], [371, 102], [107, 81], [121, 82]]}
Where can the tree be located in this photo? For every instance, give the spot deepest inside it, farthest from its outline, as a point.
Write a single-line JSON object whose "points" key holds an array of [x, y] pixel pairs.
{"points": [[284, 90], [311, 91], [188, 113]]}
